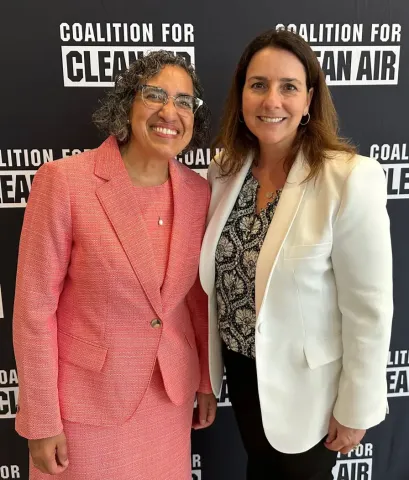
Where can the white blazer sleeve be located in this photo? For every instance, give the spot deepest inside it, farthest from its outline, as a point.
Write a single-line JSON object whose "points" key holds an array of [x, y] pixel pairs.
{"points": [[362, 263]]}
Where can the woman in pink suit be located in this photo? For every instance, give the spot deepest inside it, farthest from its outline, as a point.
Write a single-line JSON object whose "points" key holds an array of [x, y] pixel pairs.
{"points": [[110, 322]]}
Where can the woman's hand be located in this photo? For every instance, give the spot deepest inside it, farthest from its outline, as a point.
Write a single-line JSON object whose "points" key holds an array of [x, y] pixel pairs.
{"points": [[342, 439], [205, 411], [49, 454]]}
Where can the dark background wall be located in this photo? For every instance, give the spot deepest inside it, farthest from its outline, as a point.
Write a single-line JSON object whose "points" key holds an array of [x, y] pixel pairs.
{"points": [[56, 61]]}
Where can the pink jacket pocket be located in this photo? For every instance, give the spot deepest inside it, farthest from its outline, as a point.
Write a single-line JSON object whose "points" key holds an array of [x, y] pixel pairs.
{"points": [[81, 353]]}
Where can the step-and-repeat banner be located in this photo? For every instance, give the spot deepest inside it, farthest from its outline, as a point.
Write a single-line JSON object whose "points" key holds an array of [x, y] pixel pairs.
{"points": [[58, 59]]}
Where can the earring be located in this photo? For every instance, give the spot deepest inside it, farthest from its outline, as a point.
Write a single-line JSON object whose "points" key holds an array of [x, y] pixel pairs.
{"points": [[308, 120], [241, 118], [128, 122]]}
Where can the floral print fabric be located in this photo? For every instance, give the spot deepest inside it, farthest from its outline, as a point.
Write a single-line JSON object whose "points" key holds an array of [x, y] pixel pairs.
{"points": [[236, 259]]}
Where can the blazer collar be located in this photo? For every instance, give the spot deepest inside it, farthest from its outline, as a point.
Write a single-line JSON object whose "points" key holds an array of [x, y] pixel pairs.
{"points": [[184, 218], [287, 208], [216, 224], [108, 160], [280, 225], [118, 199]]}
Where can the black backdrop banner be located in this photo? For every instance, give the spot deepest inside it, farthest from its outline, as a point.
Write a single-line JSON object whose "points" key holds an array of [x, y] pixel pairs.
{"points": [[58, 59]]}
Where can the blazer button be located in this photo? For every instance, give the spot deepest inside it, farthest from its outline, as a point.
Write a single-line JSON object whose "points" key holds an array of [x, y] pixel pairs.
{"points": [[156, 323]]}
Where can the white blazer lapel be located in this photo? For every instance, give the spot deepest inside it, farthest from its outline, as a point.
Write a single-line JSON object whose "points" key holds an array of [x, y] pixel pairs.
{"points": [[216, 224], [283, 218]]}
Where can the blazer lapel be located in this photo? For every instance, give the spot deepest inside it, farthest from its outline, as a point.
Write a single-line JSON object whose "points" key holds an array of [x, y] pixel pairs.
{"points": [[216, 225], [119, 202], [183, 218], [283, 218]]}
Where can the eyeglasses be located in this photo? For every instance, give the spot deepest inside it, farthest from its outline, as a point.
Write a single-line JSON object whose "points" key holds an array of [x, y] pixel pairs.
{"points": [[156, 97]]}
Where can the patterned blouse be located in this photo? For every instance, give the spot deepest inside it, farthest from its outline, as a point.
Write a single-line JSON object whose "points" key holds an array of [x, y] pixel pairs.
{"points": [[236, 258]]}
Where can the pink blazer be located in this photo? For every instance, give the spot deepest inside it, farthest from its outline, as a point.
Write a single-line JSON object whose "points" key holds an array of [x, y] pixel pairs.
{"points": [[89, 317]]}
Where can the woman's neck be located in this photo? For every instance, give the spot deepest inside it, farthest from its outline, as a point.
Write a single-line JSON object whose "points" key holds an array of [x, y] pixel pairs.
{"points": [[271, 159], [144, 170], [270, 166]]}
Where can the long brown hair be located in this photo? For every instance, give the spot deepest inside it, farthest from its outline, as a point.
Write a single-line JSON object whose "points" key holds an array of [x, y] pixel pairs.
{"points": [[318, 138]]}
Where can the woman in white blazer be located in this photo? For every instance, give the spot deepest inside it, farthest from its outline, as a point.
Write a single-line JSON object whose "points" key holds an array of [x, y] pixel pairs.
{"points": [[297, 265]]}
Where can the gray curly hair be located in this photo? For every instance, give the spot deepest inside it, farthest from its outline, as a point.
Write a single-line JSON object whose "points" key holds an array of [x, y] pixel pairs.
{"points": [[113, 114]]}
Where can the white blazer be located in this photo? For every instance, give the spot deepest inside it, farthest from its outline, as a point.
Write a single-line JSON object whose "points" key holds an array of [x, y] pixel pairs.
{"points": [[324, 299]]}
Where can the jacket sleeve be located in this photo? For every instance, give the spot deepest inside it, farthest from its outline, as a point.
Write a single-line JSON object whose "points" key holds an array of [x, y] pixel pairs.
{"points": [[44, 254], [362, 263], [198, 305]]}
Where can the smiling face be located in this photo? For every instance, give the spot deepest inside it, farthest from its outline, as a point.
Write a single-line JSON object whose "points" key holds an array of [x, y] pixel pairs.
{"points": [[275, 97], [162, 131]]}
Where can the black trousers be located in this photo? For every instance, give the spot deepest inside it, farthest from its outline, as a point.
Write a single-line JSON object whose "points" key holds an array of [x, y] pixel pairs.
{"points": [[264, 462]]}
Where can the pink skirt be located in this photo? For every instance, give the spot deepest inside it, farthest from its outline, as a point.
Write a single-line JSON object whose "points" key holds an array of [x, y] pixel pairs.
{"points": [[153, 445]]}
